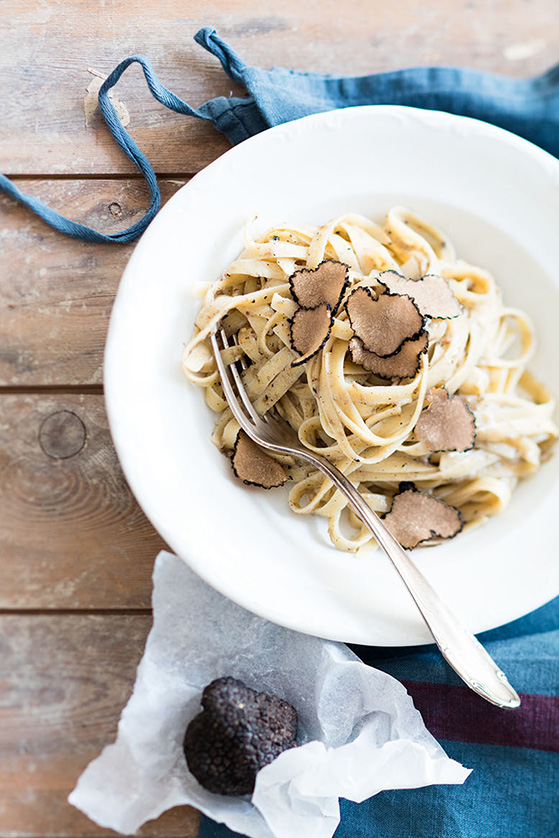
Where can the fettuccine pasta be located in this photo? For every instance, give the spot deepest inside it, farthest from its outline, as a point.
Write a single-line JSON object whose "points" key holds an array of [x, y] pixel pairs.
{"points": [[363, 424]]}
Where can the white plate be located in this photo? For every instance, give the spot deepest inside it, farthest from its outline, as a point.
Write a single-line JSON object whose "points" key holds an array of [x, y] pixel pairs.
{"points": [[497, 197]]}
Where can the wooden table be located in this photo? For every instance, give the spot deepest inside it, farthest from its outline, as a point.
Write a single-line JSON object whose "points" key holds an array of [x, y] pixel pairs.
{"points": [[77, 552]]}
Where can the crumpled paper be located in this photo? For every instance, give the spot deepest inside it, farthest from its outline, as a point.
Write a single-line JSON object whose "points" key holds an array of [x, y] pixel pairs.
{"points": [[359, 732]]}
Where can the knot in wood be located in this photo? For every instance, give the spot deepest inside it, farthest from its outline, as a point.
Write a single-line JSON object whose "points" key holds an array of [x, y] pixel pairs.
{"points": [[62, 435], [115, 209]]}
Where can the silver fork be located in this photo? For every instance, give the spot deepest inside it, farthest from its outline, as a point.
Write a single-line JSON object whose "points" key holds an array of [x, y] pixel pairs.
{"points": [[460, 648]]}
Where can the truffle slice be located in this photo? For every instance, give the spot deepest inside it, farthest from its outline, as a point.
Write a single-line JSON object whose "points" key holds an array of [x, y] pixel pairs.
{"points": [[254, 467], [447, 424], [238, 732], [324, 284], [432, 293], [416, 516], [403, 364], [310, 329], [384, 323]]}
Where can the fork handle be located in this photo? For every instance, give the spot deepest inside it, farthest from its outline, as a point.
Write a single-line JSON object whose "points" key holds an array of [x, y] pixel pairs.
{"points": [[459, 647]]}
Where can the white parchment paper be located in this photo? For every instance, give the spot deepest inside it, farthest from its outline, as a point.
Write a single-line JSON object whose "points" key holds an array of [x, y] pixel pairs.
{"points": [[359, 732]]}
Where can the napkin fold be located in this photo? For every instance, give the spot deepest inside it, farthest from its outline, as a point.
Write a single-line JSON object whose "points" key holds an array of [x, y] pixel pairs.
{"points": [[359, 732]]}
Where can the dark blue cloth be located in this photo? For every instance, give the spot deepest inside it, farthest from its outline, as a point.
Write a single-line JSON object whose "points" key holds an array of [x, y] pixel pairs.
{"points": [[528, 107]]}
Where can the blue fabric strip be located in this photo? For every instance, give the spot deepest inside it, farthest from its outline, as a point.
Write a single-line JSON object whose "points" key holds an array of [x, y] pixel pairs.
{"points": [[528, 107], [127, 144]]}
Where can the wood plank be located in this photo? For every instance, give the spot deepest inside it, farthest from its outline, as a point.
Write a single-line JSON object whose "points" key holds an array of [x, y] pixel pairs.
{"points": [[64, 681], [56, 293], [71, 533], [43, 128]]}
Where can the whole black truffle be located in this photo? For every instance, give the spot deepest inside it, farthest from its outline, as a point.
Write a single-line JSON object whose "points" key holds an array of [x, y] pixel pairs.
{"points": [[237, 733]]}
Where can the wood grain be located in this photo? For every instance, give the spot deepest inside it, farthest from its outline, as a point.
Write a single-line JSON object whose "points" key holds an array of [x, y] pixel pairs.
{"points": [[42, 87], [71, 533], [56, 293], [63, 683]]}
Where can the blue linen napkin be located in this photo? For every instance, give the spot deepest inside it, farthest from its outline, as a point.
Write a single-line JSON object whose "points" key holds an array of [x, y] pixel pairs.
{"points": [[528, 107], [513, 791]]}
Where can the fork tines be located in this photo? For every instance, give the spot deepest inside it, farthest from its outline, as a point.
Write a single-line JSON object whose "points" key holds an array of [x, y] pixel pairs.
{"points": [[233, 386]]}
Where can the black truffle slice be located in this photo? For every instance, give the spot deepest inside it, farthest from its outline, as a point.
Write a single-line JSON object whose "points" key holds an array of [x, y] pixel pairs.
{"points": [[325, 284], [254, 467], [416, 516], [384, 323], [310, 329], [403, 364], [431, 293], [447, 424], [238, 732]]}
